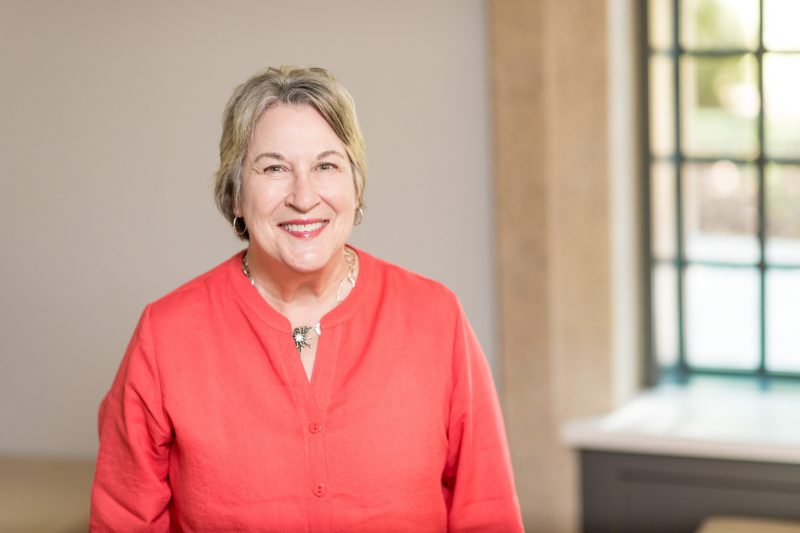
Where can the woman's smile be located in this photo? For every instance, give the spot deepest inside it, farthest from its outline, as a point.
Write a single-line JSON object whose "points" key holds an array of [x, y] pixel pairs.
{"points": [[303, 229]]}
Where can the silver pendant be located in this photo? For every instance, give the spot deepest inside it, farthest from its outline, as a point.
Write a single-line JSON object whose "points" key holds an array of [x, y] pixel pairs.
{"points": [[302, 336]]}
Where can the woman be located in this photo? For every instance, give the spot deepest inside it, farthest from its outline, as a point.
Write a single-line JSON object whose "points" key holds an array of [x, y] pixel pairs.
{"points": [[301, 385]]}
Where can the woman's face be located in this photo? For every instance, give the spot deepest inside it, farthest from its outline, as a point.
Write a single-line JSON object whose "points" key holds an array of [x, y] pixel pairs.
{"points": [[299, 196]]}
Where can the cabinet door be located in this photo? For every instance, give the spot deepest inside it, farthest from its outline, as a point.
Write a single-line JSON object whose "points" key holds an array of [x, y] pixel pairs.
{"points": [[648, 493]]}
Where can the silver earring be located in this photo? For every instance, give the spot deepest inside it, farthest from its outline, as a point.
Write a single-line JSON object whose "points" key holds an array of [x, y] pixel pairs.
{"points": [[237, 223], [359, 216]]}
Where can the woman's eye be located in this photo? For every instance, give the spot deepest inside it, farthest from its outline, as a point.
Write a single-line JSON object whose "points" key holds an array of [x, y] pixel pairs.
{"points": [[272, 169], [327, 166]]}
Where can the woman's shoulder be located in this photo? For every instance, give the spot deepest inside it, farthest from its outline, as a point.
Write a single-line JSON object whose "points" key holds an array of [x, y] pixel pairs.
{"points": [[404, 283], [199, 291]]}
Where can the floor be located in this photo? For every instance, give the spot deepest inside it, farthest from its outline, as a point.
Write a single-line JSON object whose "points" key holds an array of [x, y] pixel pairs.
{"points": [[44, 495]]}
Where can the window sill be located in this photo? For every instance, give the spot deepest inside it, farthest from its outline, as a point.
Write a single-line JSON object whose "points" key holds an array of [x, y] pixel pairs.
{"points": [[712, 419]]}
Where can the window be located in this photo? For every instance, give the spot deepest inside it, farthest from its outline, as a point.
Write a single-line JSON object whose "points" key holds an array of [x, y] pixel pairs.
{"points": [[723, 100]]}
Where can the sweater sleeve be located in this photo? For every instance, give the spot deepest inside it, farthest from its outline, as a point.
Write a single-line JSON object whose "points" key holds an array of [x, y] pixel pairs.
{"points": [[478, 481], [131, 490]]}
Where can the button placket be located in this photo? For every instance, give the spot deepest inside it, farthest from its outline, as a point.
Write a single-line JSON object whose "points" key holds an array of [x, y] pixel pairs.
{"points": [[314, 427]]}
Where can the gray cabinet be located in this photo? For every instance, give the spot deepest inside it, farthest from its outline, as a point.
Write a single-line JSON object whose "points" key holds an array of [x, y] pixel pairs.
{"points": [[642, 493]]}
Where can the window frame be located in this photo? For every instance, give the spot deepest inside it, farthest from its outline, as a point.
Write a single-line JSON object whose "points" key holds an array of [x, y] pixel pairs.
{"points": [[682, 371]]}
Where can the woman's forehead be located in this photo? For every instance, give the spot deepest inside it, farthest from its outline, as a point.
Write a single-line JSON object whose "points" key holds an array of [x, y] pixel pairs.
{"points": [[288, 129]]}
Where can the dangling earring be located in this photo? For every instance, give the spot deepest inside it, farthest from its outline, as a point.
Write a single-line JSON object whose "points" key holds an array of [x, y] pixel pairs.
{"points": [[359, 216], [238, 222]]}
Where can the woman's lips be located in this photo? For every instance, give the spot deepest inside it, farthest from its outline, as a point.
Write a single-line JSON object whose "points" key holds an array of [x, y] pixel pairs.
{"points": [[303, 229]]}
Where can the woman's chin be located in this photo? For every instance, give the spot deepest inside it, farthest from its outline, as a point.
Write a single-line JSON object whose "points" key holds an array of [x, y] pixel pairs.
{"points": [[309, 262], [300, 257]]}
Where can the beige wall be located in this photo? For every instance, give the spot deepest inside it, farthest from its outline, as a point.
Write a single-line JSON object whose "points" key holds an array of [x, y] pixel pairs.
{"points": [[564, 145], [110, 120]]}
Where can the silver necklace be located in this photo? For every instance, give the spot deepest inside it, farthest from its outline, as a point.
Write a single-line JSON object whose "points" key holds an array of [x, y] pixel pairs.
{"points": [[301, 335]]}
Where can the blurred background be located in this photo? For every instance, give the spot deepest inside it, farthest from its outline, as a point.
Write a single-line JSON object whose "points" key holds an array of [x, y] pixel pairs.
{"points": [[611, 187]]}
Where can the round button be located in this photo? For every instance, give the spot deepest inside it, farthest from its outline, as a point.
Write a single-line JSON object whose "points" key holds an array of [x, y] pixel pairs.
{"points": [[314, 427], [319, 490]]}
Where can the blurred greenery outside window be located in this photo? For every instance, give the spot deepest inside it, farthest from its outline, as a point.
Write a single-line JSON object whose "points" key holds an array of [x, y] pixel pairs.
{"points": [[723, 98]]}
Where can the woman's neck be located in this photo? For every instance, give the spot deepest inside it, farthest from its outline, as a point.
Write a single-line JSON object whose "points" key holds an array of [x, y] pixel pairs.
{"points": [[302, 297]]}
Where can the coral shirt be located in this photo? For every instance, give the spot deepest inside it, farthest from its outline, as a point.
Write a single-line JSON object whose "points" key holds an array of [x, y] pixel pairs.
{"points": [[211, 423]]}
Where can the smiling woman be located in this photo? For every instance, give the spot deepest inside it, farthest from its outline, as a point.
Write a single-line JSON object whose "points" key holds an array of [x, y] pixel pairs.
{"points": [[301, 385]]}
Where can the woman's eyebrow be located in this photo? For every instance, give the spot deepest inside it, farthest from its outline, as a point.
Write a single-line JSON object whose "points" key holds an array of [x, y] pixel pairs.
{"points": [[328, 153], [279, 157], [272, 155]]}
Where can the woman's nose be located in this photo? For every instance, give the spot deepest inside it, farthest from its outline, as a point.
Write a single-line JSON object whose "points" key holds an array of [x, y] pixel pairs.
{"points": [[303, 195]]}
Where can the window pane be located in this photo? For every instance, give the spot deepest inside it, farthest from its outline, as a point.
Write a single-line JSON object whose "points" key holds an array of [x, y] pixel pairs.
{"points": [[665, 314], [722, 317], [720, 106], [660, 24], [783, 215], [662, 202], [780, 24], [707, 24], [783, 310], [782, 105], [662, 106], [720, 212]]}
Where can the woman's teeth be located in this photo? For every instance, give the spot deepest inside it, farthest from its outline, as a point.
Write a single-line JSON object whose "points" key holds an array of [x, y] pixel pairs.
{"points": [[303, 228]]}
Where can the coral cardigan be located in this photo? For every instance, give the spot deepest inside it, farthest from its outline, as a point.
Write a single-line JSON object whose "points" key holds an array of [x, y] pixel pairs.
{"points": [[211, 423]]}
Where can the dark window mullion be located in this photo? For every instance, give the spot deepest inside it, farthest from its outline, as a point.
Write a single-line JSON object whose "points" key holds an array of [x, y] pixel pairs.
{"points": [[762, 192], [735, 160], [716, 53], [719, 264], [724, 264], [721, 52], [683, 366], [652, 371], [732, 372]]}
